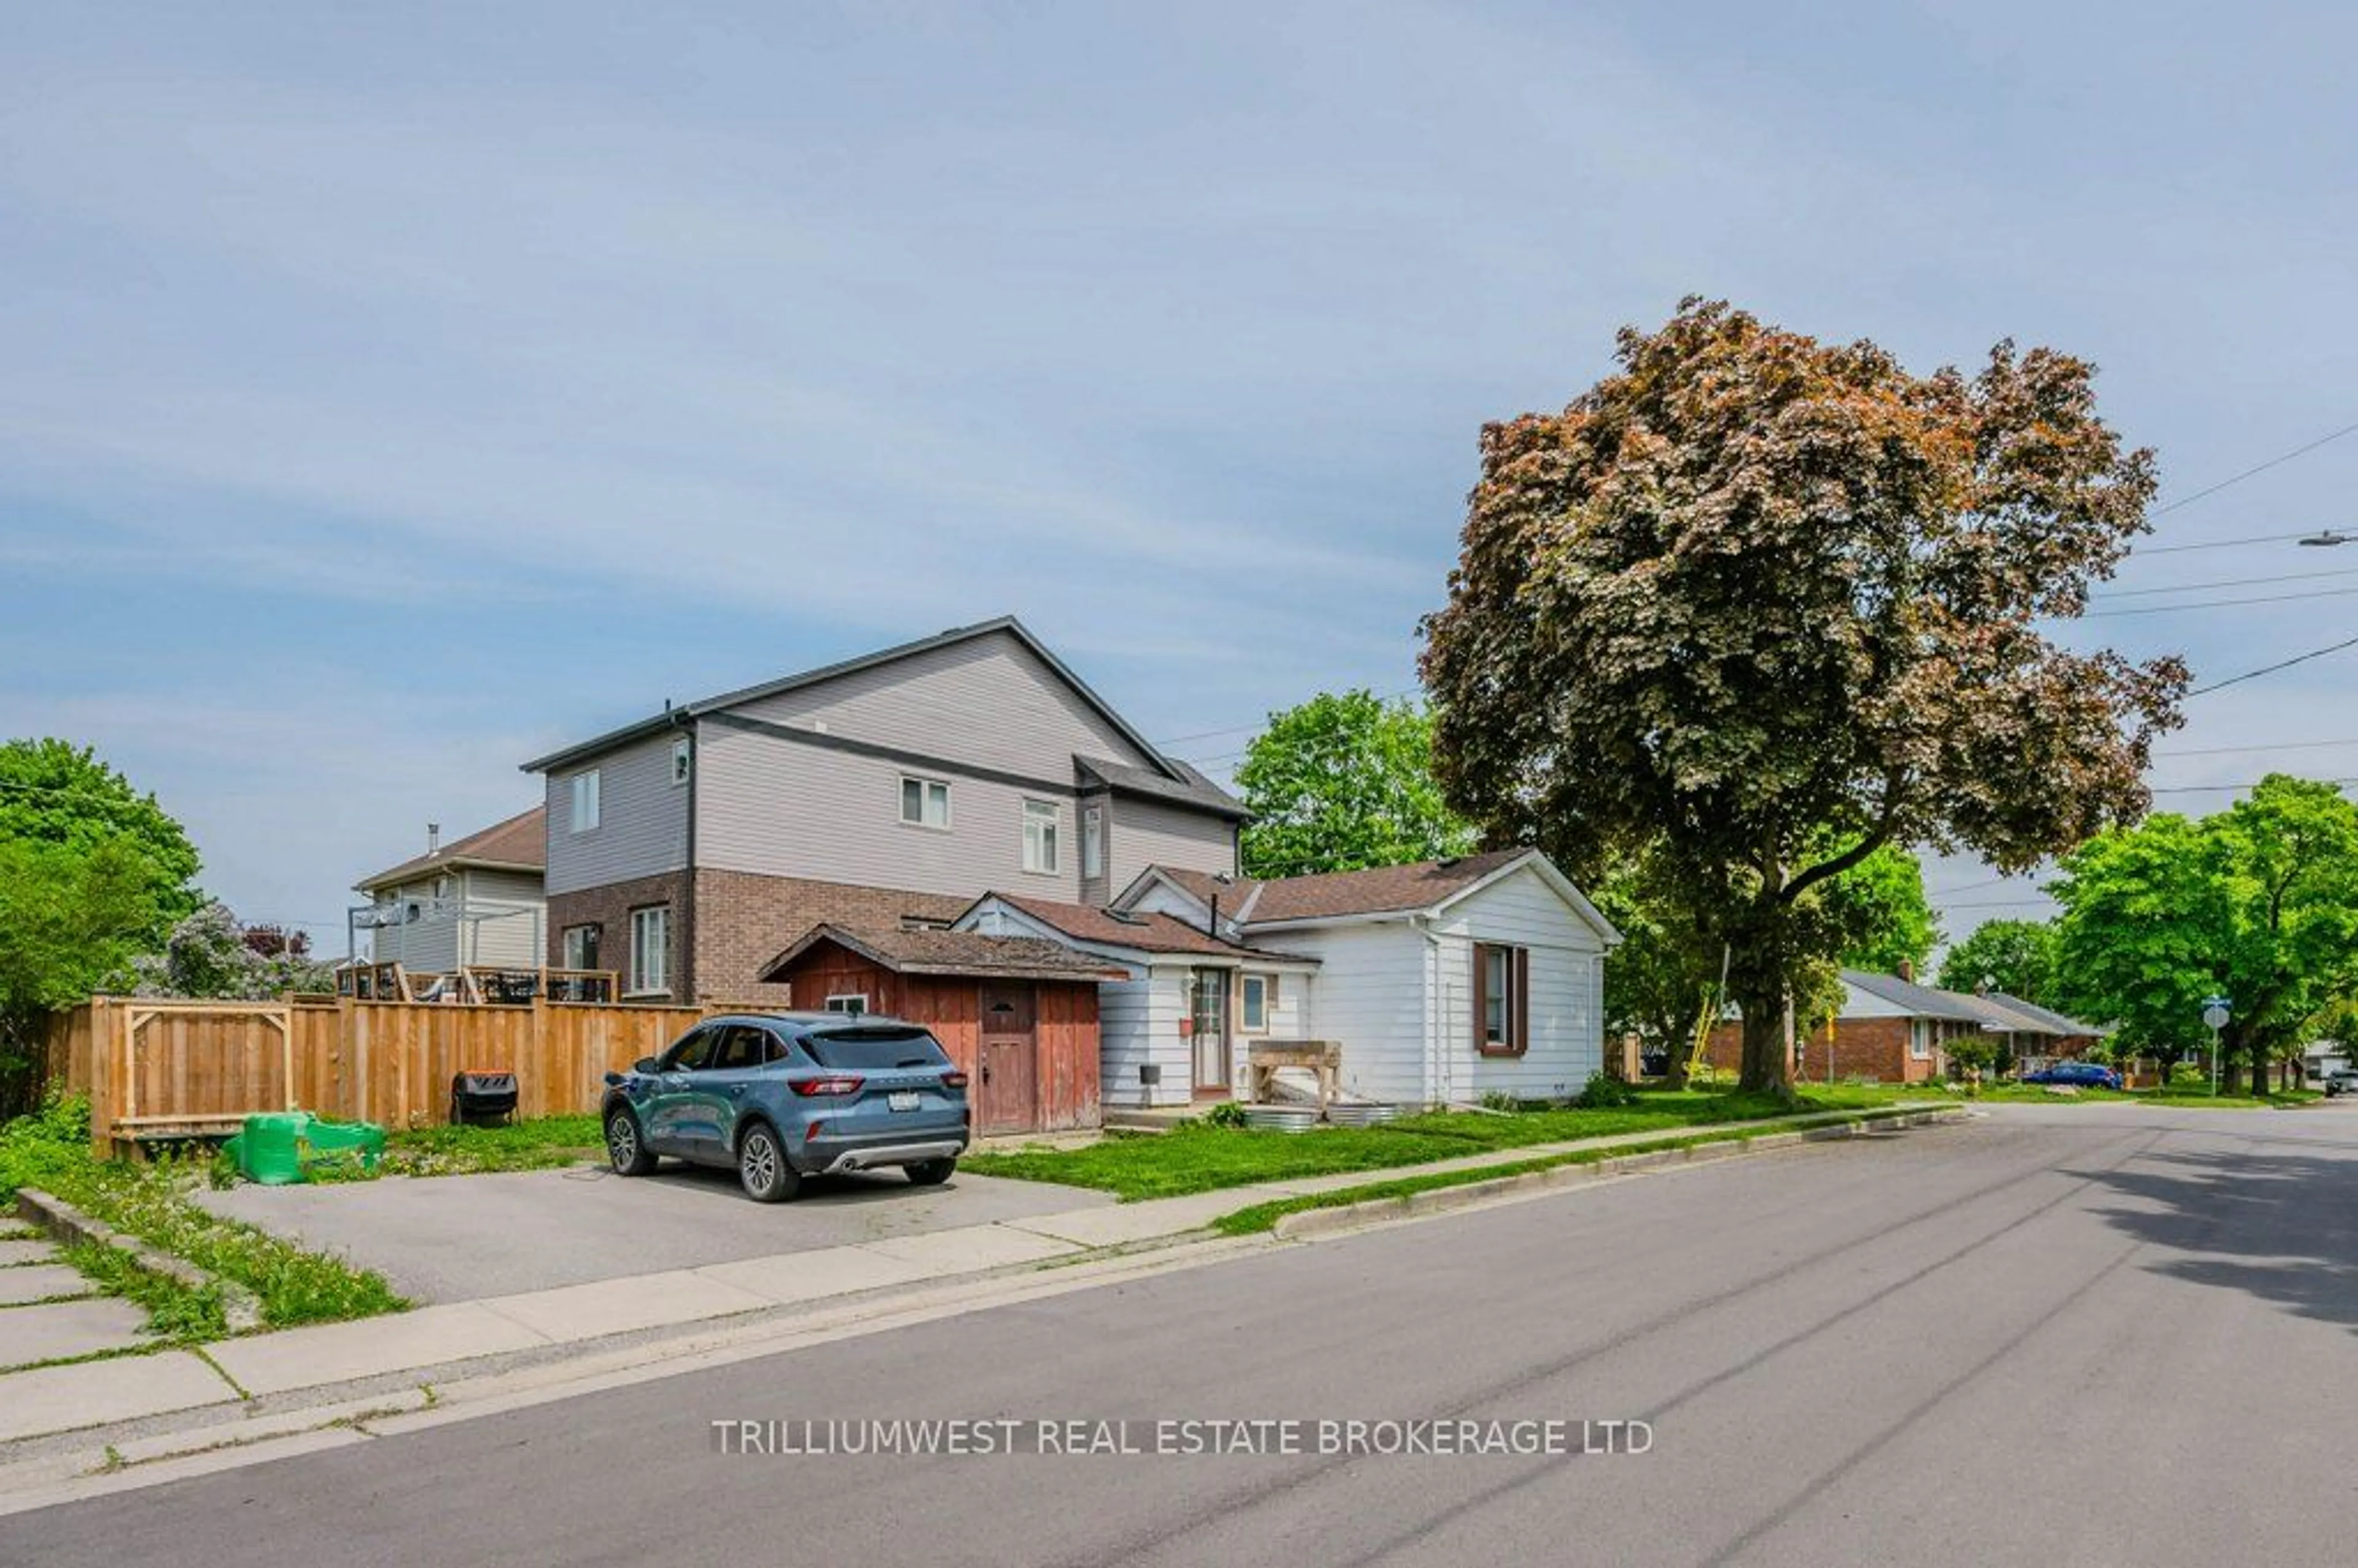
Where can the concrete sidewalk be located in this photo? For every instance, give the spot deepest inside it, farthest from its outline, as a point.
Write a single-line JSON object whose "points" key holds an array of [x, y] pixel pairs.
{"points": [[423, 1346]]}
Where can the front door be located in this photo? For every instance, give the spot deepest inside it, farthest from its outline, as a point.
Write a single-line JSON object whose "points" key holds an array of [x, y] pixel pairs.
{"points": [[1010, 1047], [1208, 1008]]}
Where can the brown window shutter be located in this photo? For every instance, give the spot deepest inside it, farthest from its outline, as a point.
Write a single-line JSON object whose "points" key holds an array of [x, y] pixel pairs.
{"points": [[1522, 968], [1481, 996]]}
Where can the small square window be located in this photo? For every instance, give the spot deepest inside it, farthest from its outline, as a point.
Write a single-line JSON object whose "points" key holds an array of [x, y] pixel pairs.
{"points": [[854, 1003], [924, 803]]}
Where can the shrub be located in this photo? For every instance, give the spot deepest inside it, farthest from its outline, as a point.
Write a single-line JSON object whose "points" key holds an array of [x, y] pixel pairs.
{"points": [[1228, 1113], [48, 1148], [1604, 1092]]}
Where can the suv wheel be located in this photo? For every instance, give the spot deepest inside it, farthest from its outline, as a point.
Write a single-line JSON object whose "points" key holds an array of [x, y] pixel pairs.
{"points": [[931, 1173], [626, 1149], [761, 1166]]}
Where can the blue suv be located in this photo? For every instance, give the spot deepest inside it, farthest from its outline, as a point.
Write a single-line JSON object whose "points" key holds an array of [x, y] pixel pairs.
{"points": [[781, 1095]]}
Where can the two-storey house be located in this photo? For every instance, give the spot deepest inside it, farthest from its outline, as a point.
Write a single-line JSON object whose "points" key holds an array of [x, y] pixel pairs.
{"points": [[885, 793]]}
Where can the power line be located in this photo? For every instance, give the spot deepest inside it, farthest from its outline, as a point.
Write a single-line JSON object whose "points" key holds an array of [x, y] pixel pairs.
{"points": [[2253, 471], [2229, 789], [2272, 746], [2271, 670], [2230, 582], [2222, 603]]}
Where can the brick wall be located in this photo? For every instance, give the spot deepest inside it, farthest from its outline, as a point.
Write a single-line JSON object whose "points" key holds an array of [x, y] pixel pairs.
{"points": [[1863, 1047], [609, 908], [744, 920]]}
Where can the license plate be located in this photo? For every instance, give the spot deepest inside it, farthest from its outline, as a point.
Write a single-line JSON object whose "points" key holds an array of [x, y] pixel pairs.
{"points": [[902, 1099]]}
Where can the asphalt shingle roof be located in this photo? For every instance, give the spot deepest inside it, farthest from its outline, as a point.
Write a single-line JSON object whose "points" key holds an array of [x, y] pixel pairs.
{"points": [[520, 843], [953, 953]]}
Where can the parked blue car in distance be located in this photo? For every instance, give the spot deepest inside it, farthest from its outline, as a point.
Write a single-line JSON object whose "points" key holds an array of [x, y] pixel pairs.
{"points": [[781, 1095], [2084, 1075]]}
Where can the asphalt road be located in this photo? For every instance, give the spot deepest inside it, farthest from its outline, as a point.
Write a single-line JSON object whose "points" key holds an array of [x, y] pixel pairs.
{"points": [[2084, 1336], [446, 1238]]}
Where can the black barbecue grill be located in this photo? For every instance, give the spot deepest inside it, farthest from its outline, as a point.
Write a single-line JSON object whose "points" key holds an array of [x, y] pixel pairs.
{"points": [[482, 1099]]}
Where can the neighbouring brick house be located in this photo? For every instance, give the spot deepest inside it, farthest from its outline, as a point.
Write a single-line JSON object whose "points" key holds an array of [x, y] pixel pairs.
{"points": [[687, 849], [1897, 1031], [1889, 1029]]}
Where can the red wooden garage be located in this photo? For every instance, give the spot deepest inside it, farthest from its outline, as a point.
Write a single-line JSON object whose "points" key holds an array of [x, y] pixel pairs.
{"points": [[1018, 1013]]}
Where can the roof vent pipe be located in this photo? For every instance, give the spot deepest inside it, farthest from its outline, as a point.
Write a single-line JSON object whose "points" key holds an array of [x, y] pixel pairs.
{"points": [[433, 837]]}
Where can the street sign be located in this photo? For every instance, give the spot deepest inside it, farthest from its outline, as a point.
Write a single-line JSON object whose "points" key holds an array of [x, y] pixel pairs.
{"points": [[2214, 1017]]}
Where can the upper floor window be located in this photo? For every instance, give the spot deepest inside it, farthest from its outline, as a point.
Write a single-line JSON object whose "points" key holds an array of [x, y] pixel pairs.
{"points": [[1093, 842], [584, 801], [924, 803], [679, 760], [1040, 819]]}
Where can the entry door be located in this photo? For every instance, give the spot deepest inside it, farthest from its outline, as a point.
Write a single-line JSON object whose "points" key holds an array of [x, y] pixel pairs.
{"points": [[1010, 1049], [1208, 1004]]}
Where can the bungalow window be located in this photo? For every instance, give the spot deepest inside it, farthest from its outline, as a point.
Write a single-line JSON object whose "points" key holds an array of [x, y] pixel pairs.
{"points": [[651, 950], [1920, 1039], [1255, 999], [1502, 990], [925, 803], [1093, 842], [584, 801], [581, 946], [1040, 820]]}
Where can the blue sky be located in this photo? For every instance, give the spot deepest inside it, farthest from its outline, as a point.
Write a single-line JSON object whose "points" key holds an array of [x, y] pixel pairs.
{"points": [[388, 393]]}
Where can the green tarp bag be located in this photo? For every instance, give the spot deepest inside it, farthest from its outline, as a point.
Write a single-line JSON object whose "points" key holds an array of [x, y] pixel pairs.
{"points": [[282, 1146]]}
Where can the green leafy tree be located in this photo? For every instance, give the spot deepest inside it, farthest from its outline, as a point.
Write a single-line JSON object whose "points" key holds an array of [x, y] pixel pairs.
{"points": [[52, 792], [2016, 957], [2257, 902], [1342, 783], [92, 873], [1757, 606], [71, 918], [1880, 903]]}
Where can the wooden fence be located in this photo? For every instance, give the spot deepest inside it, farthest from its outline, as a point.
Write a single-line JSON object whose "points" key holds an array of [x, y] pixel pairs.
{"points": [[159, 1069]]}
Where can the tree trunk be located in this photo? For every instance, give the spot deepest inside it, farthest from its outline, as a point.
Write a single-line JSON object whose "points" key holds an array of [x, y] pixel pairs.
{"points": [[2229, 1046], [1767, 1056]]}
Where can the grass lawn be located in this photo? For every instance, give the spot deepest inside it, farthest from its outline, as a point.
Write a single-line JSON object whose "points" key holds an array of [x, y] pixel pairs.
{"points": [[2037, 1094], [535, 1145], [51, 1150], [1198, 1158]]}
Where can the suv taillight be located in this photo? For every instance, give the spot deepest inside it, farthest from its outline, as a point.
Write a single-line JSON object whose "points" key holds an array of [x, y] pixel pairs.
{"points": [[812, 1088], [954, 1080]]}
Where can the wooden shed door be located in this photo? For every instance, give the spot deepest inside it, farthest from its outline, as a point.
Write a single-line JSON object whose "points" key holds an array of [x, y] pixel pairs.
{"points": [[1010, 1049]]}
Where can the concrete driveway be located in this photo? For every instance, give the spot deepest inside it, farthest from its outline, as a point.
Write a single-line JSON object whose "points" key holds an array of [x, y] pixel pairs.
{"points": [[445, 1239]]}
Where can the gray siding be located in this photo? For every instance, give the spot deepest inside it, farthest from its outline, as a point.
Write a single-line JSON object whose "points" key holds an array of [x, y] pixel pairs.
{"points": [[1148, 833], [642, 820], [988, 701], [777, 808]]}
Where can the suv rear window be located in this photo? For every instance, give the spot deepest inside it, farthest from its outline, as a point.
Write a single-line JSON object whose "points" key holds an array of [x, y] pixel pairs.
{"points": [[875, 1048]]}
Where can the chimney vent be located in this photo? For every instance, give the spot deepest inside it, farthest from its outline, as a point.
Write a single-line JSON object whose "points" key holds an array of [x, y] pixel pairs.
{"points": [[434, 838], [1907, 970]]}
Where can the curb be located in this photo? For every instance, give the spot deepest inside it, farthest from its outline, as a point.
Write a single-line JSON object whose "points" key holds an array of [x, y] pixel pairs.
{"points": [[1311, 1222], [60, 1221]]}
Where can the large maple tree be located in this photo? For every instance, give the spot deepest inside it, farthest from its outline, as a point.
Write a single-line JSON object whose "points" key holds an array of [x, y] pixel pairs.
{"points": [[1757, 605]]}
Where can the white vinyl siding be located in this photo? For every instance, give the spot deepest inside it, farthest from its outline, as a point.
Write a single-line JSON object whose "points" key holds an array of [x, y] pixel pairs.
{"points": [[1566, 992], [1371, 997], [1147, 833], [1138, 1024], [475, 915], [643, 821], [776, 807], [989, 702], [1041, 819], [650, 970]]}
